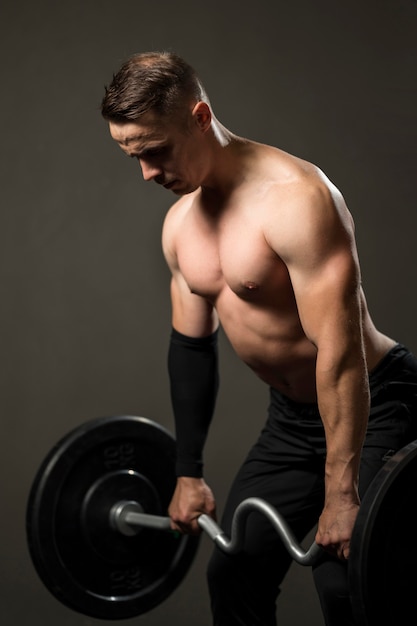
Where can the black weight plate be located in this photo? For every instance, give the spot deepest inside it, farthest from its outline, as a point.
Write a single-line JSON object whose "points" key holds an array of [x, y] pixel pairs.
{"points": [[383, 556], [81, 559]]}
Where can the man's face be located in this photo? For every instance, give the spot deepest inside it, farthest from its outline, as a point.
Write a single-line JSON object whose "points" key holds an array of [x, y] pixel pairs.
{"points": [[168, 153]]}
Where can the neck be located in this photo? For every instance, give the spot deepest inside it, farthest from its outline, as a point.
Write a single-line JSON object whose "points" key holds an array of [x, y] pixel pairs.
{"points": [[229, 163], [221, 134]]}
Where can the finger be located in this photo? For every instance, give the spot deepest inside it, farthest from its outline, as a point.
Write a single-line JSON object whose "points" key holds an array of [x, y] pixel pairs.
{"points": [[186, 528], [345, 553]]}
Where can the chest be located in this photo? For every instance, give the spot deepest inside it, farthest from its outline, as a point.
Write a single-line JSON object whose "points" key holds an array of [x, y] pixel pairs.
{"points": [[233, 255]]}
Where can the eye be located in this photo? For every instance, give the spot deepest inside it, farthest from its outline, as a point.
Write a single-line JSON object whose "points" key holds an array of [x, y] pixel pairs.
{"points": [[153, 152]]}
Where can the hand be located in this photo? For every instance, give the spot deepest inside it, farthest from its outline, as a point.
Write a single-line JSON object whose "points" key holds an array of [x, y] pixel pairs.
{"points": [[191, 498], [335, 529]]}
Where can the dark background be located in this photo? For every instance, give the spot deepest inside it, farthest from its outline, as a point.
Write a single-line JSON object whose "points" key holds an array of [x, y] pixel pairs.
{"points": [[85, 313]]}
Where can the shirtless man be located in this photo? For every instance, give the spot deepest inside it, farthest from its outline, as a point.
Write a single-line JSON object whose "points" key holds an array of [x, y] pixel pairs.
{"points": [[262, 243]]}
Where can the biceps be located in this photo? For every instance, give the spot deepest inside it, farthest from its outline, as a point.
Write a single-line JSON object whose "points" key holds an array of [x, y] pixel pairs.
{"points": [[191, 315], [329, 301]]}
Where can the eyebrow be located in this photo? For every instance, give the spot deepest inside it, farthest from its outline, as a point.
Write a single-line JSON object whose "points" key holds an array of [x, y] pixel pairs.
{"points": [[148, 143], [147, 149], [126, 142]]}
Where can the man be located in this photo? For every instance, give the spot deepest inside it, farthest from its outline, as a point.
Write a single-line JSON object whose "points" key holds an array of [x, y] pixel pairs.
{"points": [[262, 243]]}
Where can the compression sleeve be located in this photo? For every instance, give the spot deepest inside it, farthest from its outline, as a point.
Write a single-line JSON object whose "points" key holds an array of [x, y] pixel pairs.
{"points": [[194, 381]]}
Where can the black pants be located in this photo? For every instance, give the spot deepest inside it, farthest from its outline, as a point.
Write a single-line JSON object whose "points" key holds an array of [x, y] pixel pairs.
{"points": [[286, 468]]}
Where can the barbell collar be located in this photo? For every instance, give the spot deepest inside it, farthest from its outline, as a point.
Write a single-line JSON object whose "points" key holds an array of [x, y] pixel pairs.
{"points": [[127, 517]]}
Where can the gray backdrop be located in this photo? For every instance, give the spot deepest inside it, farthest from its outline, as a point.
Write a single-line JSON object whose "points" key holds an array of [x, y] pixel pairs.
{"points": [[85, 314]]}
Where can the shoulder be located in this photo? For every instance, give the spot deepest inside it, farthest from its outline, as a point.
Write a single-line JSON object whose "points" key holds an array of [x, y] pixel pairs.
{"points": [[173, 224], [291, 184], [305, 211], [310, 195]]}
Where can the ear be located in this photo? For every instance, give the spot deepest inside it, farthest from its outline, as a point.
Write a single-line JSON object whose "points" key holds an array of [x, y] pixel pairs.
{"points": [[202, 115]]}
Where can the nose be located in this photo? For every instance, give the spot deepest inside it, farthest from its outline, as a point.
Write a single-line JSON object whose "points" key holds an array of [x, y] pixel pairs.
{"points": [[149, 172]]}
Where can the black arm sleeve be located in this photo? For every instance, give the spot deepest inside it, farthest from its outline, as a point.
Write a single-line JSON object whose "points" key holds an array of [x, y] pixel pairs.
{"points": [[193, 373]]}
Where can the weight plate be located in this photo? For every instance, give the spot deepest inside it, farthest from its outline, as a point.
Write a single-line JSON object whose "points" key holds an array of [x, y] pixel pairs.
{"points": [[85, 563], [383, 555]]}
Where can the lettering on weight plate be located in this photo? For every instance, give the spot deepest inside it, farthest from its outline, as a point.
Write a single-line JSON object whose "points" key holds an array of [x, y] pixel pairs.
{"points": [[121, 456], [126, 580]]}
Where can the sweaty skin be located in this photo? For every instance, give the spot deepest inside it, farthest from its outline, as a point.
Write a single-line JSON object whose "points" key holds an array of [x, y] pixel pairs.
{"points": [[262, 242]]}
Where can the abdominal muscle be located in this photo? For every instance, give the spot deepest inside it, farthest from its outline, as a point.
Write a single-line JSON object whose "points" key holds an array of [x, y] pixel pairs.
{"points": [[274, 346]]}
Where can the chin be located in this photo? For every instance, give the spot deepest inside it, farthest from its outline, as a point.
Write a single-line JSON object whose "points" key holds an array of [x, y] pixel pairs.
{"points": [[183, 190]]}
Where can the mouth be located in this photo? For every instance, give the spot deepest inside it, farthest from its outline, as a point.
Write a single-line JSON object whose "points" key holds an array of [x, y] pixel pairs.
{"points": [[168, 185]]}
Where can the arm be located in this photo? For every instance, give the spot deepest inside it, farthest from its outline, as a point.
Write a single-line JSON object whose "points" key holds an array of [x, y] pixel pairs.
{"points": [[193, 373], [323, 266]]}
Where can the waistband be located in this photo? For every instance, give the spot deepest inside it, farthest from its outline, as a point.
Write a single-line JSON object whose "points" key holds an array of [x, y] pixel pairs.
{"points": [[387, 363]]}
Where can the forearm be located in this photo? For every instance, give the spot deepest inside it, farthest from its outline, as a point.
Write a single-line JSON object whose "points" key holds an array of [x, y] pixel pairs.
{"points": [[193, 372], [343, 396]]}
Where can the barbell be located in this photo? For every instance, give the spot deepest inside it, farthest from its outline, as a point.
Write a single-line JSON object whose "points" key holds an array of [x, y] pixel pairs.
{"points": [[127, 517], [101, 544]]}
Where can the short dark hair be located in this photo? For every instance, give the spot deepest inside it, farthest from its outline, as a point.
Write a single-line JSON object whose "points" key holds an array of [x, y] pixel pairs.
{"points": [[157, 81]]}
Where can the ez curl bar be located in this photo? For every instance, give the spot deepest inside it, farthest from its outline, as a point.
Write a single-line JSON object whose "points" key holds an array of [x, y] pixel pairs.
{"points": [[127, 517]]}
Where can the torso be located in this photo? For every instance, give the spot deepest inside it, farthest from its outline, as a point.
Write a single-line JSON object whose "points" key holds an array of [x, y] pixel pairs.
{"points": [[225, 258]]}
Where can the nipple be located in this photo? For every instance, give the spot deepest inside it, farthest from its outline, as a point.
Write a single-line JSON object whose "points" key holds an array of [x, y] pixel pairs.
{"points": [[250, 286]]}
